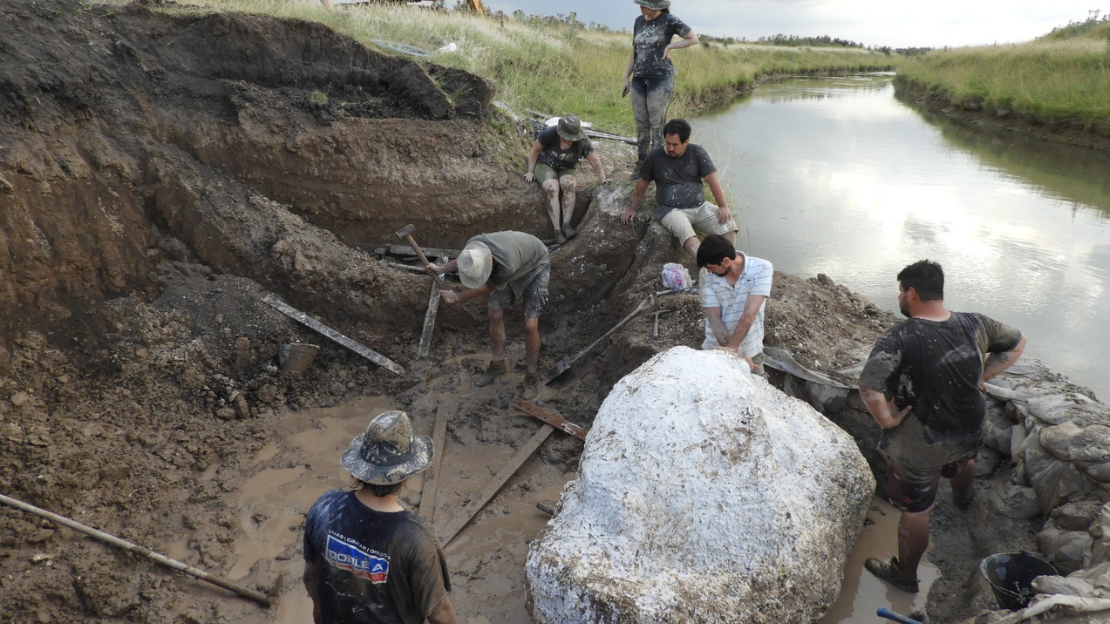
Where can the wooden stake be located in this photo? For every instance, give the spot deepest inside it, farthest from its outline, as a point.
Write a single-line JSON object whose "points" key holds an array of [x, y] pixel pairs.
{"points": [[429, 321], [431, 475], [258, 597], [461, 518], [305, 319]]}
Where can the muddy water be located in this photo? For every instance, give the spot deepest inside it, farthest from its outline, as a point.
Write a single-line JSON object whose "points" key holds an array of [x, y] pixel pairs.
{"points": [[861, 594], [837, 176]]}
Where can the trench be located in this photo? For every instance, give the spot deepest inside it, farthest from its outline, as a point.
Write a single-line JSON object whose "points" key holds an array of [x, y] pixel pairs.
{"points": [[144, 224]]}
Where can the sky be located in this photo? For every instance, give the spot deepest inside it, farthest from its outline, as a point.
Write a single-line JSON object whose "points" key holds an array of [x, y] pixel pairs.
{"points": [[935, 24]]}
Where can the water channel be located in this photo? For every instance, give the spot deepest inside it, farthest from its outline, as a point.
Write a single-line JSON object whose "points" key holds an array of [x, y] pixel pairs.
{"points": [[838, 176]]}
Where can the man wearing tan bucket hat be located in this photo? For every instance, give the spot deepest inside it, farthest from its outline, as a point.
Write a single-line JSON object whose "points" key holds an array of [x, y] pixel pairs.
{"points": [[367, 559], [551, 163], [506, 266]]}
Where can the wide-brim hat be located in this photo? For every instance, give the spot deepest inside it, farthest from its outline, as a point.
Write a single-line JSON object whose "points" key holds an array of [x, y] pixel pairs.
{"points": [[654, 5], [570, 128], [475, 264], [387, 452]]}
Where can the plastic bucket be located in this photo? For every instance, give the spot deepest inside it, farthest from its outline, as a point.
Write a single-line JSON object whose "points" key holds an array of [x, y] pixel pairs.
{"points": [[296, 357], [1011, 577]]}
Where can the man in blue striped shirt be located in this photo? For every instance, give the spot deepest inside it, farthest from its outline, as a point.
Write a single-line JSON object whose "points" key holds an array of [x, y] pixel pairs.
{"points": [[734, 292]]}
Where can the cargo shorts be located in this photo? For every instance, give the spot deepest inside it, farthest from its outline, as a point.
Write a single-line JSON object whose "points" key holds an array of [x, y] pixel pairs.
{"points": [[535, 295], [684, 222]]}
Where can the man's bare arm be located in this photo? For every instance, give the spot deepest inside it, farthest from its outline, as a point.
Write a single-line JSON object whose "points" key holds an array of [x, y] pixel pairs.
{"points": [[998, 362], [884, 412], [751, 311], [444, 613], [637, 201], [716, 325]]}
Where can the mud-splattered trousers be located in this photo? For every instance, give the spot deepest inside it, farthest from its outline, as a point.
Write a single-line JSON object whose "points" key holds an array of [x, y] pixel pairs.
{"points": [[651, 96]]}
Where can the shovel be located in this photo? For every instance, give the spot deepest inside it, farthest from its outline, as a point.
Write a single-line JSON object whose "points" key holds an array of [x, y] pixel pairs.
{"points": [[564, 364]]}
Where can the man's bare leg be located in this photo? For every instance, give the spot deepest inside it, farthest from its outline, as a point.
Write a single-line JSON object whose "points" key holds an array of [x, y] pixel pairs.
{"points": [[497, 334], [532, 344], [913, 540], [691, 246]]}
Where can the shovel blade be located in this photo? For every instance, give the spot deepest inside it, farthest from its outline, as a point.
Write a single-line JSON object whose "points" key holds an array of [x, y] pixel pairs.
{"points": [[562, 366]]}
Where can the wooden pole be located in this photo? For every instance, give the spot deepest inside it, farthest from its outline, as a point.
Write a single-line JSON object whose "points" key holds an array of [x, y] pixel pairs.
{"points": [[258, 597], [429, 321], [463, 516], [431, 476], [550, 418], [305, 319]]}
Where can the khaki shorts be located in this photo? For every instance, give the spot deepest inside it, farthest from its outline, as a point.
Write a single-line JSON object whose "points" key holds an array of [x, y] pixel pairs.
{"points": [[544, 173], [684, 222]]}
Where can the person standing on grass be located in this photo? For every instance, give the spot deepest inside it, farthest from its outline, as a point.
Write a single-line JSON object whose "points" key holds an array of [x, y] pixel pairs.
{"points": [[367, 559], [551, 163], [734, 292], [506, 266], [678, 169], [649, 76], [923, 384]]}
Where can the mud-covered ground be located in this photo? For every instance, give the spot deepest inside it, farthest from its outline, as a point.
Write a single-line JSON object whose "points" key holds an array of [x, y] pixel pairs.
{"points": [[160, 173]]}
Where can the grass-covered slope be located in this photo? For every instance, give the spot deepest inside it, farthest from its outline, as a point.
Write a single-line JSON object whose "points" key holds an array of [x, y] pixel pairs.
{"points": [[1060, 80]]}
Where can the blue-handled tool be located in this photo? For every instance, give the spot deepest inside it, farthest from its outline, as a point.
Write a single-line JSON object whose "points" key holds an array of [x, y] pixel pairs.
{"points": [[890, 615]]}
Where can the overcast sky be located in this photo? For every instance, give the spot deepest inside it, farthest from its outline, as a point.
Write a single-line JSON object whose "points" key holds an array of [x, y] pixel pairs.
{"points": [[934, 23]]}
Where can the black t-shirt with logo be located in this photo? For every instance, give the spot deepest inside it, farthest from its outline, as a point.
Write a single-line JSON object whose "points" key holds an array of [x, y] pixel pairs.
{"points": [[935, 367], [678, 181], [373, 567], [649, 39]]}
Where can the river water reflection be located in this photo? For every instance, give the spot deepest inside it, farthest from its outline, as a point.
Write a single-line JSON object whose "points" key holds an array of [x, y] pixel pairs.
{"points": [[837, 176]]}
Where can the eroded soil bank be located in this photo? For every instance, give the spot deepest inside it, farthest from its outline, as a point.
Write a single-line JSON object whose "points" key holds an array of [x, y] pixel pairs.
{"points": [[159, 175]]}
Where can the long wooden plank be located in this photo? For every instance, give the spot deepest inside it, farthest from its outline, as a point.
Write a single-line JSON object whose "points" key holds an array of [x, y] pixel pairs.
{"points": [[328, 332], [429, 322], [431, 475], [461, 518], [550, 418]]}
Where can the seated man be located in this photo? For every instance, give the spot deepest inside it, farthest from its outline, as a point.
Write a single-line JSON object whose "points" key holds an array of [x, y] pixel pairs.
{"points": [[552, 161], [678, 169], [734, 290], [506, 266]]}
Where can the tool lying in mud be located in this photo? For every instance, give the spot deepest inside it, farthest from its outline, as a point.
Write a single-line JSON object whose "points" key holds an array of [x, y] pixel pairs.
{"points": [[554, 420], [564, 364], [251, 594], [305, 319], [655, 327]]}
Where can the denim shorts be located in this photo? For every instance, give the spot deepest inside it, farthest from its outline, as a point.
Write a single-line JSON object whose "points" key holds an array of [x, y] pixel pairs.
{"points": [[535, 295]]}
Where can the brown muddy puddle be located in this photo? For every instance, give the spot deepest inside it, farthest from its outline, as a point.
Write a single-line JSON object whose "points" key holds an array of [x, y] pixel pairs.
{"points": [[486, 559]]}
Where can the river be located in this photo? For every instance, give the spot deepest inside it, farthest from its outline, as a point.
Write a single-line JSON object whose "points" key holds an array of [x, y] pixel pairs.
{"points": [[838, 176]]}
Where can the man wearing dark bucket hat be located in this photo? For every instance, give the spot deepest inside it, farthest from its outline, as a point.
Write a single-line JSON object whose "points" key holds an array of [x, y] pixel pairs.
{"points": [[367, 559], [923, 385], [506, 266], [551, 163]]}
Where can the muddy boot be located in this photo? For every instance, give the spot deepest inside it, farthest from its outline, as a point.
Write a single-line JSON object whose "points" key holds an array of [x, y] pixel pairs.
{"points": [[889, 572], [569, 231], [531, 386], [963, 500], [495, 369], [560, 238]]}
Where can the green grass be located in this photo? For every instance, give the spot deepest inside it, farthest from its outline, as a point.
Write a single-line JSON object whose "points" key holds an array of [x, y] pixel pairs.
{"points": [[1063, 77], [559, 67]]}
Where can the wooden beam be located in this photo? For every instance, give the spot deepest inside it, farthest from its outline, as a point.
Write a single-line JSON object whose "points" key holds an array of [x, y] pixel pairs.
{"points": [[431, 475], [461, 518], [429, 322], [550, 418], [305, 319]]}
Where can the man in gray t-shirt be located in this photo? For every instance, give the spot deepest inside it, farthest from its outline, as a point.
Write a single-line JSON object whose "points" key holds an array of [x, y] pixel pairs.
{"points": [[506, 266], [678, 170]]}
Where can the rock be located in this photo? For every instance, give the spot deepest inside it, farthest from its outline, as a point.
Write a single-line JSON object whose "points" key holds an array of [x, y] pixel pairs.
{"points": [[1077, 516], [19, 399], [225, 413], [1054, 481], [1069, 441], [703, 495], [242, 409], [987, 461], [1063, 549], [1015, 501], [997, 429]]}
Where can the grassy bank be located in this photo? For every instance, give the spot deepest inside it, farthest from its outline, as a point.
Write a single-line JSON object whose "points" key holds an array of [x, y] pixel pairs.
{"points": [[561, 67], [1061, 79]]}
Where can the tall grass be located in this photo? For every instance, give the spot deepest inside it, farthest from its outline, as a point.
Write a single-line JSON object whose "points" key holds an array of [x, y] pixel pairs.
{"points": [[558, 67], [1060, 78]]}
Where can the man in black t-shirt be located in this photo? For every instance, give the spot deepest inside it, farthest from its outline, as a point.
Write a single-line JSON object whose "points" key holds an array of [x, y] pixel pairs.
{"points": [[678, 169], [367, 559], [923, 384]]}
